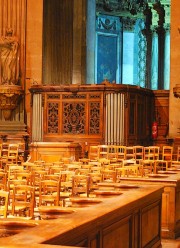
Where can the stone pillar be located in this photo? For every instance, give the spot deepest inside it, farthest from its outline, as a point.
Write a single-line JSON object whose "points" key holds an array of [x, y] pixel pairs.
{"points": [[154, 62], [90, 41], [167, 60], [167, 45]]}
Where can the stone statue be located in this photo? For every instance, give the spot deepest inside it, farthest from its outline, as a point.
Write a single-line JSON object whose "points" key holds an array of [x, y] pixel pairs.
{"points": [[9, 59]]}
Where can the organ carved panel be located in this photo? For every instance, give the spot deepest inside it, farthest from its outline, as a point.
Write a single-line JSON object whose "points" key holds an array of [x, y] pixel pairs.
{"points": [[73, 113], [94, 127], [53, 120], [74, 120]]}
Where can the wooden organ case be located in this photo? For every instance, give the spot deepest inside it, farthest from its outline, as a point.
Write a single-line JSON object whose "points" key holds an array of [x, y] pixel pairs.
{"points": [[92, 114]]}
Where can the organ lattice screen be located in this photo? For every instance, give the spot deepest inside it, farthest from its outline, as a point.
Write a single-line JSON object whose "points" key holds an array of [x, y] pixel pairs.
{"points": [[37, 118], [114, 131]]}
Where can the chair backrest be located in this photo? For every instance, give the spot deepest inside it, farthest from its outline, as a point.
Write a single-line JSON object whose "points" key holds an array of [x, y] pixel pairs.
{"points": [[167, 153], [130, 153], [148, 153], [112, 153], [3, 180], [23, 198], [139, 152], [103, 151], [12, 169], [121, 153], [93, 152], [4, 199], [25, 176], [109, 175], [11, 184], [80, 184], [49, 192], [13, 149], [95, 177]]}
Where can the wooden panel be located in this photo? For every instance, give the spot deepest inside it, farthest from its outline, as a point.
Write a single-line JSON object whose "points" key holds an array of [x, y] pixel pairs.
{"points": [[151, 227], [118, 234], [177, 212], [161, 115], [168, 207], [51, 151], [140, 116], [170, 219]]}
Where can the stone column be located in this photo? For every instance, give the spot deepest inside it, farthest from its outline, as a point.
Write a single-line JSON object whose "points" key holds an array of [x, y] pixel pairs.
{"points": [[167, 60], [154, 61], [166, 6], [90, 41]]}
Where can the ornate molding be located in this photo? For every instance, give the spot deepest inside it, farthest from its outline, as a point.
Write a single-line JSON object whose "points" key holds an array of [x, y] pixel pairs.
{"points": [[128, 24], [9, 99]]}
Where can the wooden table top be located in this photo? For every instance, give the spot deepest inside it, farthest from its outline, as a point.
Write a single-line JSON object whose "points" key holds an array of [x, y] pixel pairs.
{"points": [[45, 231]]}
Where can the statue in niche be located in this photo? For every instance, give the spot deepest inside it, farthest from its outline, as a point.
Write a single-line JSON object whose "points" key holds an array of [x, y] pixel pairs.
{"points": [[9, 59]]}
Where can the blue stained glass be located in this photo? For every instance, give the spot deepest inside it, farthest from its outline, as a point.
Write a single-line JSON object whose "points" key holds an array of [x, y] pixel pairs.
{"points": [[106, 58]]}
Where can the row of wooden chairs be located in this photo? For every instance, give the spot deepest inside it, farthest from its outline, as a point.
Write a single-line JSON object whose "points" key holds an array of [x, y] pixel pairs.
{"points": [[30, 189], [52, 183], [117, 153], [9, 153]]}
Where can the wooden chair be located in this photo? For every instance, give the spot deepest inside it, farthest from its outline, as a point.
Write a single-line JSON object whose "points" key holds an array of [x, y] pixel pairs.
{"points": [[130, 153], [93, 153], [55, 169], [56, 177], [25, 176], [82, 171], [37, 177], [103, 151], [154, 152], [49, 193], [12, 169], [104, 161], [112, 153], [148, 153], [80, 185], [167, 154], [4, 154], [121, 153], [4, 199], [13, 151], [109, 175], [23, 200], [138, 153], [10, 186], [160, 165], [95, 178], [3, 180], [147, 166]]}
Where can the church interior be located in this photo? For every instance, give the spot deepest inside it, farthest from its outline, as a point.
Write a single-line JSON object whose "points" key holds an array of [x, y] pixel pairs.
{"points": [[89, 123]]}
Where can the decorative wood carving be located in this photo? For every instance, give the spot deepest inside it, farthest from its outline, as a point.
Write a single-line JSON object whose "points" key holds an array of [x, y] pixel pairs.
{"points": [[74, 118]]}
